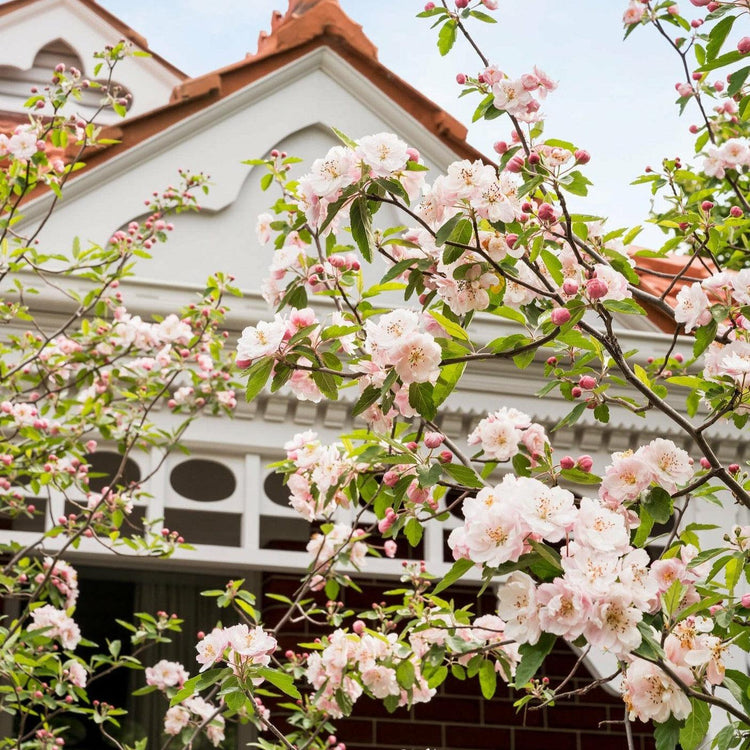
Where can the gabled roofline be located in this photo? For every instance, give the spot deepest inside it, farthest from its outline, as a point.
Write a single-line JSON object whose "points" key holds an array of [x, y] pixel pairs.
{"points": [[120, 158], [126, 31]]}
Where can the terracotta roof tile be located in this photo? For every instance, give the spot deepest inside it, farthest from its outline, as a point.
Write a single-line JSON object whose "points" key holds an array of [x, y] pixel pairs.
{"points": [[658, 276]]}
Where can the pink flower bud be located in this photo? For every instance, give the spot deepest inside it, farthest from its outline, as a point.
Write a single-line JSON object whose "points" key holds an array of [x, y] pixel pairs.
{"points": [[567, 462], [673, 10], [715, 608], [575, 391], [585, 462], [718, 85], [744, 45], [733, 468], [446, 457], [411, 445], [745, 601], [515, 164], [413, 155], [460, 79], [705, 463], [552, 361], [462, 3], [359, 627], [534, 158], [429, 6], [390, 478], [707, 205], [434, 439], [582, 157], [546, 212], [570, 287], [587, 382], [735, 211], [511, 240], [596, 288], [390, 548], [500, 147], [693, 129], [560, 316]]}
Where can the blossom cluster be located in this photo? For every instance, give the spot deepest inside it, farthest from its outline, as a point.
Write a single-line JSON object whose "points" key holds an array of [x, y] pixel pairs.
{"points": [[57, 624], [336, 543], [516, 96], [319, 471], [352, 663], [239, 646], [501, 433], [733, 154], [196, 710]]}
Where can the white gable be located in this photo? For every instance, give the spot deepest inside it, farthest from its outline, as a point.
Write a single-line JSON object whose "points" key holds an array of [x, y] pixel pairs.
{"points": [[37, 36], [292, 109]]}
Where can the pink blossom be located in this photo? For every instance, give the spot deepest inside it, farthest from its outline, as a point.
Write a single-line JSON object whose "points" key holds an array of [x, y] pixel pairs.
{"points": [[211, 648], [518, 606], [166, 674], [670, 465], [692, 307], [383, 153], [650, 694]]}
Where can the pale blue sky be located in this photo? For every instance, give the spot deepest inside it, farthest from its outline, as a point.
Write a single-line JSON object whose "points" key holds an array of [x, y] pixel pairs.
{"points": [[615, 98]]}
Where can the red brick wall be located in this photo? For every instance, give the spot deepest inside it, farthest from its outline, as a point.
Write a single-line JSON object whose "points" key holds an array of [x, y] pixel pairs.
{"points": [[458, 718]]}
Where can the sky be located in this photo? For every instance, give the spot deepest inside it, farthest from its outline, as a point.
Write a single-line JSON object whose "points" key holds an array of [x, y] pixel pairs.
{"points": [[615, 98]]}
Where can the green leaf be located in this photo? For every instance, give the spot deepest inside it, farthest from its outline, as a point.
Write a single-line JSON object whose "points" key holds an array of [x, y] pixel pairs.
{"points": [[721, 61], [571, 418], [696, 725], [413, 531], [449, 377], [482, 16], [704, 336], [258, 376], [644, 528], [463, 475], [421, 399], [446, 230], [280, 680], [737, 80], [580, 477], [461, 235], [369, 396], [459, 570], [361, 226], [326, 383], [532, 657], [667, 734], [658, 504], [265, 181], [488, 679], [717, 37], [405, 674], [344, 138], [452, 328], [447, 37], [576, 183]]}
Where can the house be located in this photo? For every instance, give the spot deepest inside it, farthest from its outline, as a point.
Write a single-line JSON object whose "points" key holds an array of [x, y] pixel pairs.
{"points": [[314, 69]]}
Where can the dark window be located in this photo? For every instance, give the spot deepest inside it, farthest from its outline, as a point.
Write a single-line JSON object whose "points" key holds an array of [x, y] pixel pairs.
{"points": [[106, 465], [203, 480]]}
